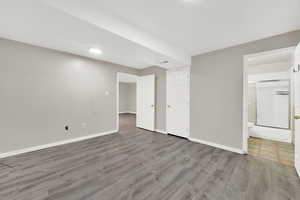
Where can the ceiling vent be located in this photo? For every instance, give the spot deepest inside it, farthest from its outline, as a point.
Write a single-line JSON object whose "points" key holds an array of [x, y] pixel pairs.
{"points": [[164, 62]]}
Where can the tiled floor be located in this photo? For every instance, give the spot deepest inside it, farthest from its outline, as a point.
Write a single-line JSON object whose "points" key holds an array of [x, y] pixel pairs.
{"points": [[272, 150]]}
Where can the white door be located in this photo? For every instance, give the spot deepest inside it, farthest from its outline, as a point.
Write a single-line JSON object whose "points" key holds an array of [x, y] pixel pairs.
{"points": [[297, 109], [146, 102], [178, 102], [273, 100]]}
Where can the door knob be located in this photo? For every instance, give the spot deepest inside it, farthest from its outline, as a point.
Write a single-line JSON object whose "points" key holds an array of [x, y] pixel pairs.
{"points": [[169, 106], [297, 117], [152, 105]]}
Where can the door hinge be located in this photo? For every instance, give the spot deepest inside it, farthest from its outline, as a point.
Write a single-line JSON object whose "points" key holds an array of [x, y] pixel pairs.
{"points": [[297, 68]]}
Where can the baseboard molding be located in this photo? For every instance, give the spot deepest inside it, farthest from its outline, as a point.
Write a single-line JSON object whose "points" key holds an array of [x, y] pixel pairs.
{"points": [[276, 134], [46, 146], [161, 131], [220, 146], [127, 112]]}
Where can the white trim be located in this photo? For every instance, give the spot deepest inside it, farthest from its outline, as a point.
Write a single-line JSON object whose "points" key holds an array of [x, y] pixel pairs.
{"points": [[271, 52], [284, 75], [189, 103], [161, 131], [281, 135], [127, 112], [45, 146], [298, 170], [245, 104], [127, 78], [292, 99], [117, 100], [245, 89], [220, 146]]}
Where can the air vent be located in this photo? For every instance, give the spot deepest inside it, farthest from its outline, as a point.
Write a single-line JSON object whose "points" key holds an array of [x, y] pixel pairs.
{"points": [[282, 93], [164, 62]]}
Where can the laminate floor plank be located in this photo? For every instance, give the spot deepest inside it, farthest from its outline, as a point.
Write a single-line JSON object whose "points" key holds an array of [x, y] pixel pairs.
{"points": [[136, 164]]}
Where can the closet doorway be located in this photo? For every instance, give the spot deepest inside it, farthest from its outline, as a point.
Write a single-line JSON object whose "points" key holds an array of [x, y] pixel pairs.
{"points": [[126, 101]]}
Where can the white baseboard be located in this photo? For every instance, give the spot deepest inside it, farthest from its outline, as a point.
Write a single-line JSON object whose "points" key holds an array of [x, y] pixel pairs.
{"points": [[220, 146], [45, 146], [127, 112], [161, 131], [276, 134]]}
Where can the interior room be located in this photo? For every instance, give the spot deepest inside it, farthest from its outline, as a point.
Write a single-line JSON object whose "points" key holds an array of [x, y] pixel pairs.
{"points": [[149, 100], [127, 99], [271, 105]]}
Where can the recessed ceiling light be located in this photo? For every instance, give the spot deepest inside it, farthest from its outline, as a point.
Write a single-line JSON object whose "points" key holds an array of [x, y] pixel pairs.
{"points": [[193, 1], [189, 0], [95, 51]]}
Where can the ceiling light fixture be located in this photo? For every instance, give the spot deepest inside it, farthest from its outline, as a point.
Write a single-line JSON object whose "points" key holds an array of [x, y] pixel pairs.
{"points": [[189, 1], [95, 51], [193, 1]]}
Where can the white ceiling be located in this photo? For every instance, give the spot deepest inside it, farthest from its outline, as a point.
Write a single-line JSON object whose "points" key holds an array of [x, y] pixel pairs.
{"points": [[198, 26], [39, 23], [141, 33]]}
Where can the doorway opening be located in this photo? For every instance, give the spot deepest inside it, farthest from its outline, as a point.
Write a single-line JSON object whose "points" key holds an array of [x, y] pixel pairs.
{"points": [[268, 105], [126, 101]]}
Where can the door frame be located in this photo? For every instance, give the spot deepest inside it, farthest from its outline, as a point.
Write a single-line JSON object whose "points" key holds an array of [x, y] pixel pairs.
{"points": [[295, 81], [117, 96], [245, 89], [188, 98]]}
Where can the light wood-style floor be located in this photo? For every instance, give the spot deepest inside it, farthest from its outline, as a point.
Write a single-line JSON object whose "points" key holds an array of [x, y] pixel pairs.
{"points": [[280, 152], [135, 164]]}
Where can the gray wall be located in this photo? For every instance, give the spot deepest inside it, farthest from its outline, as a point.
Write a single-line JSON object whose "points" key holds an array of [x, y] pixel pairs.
{"points": [[217, 89], [127, 97], [161, 94], [42, 90]]}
